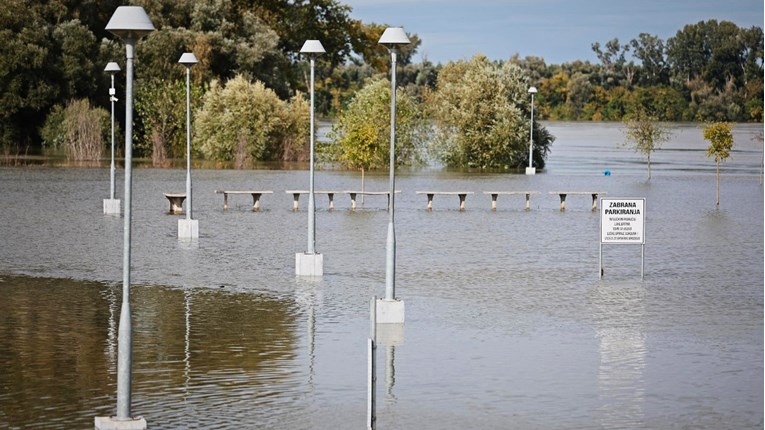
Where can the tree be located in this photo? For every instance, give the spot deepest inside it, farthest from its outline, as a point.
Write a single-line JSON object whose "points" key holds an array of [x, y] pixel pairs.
{"points": [[645, 135], [482, 110], [651, 52], [721, 142], [245, 122], [362, 131], [79, 128]]}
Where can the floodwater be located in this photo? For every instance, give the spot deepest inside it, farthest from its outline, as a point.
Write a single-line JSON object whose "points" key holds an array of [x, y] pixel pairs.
{"points": [[507, 324]]}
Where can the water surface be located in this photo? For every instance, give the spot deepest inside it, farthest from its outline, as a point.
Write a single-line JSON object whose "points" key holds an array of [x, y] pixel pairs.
{"points": [[507, 323]]}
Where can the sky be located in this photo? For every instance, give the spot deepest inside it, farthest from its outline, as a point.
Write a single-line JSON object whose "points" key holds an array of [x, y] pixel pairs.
{"points": [[559, 31]]}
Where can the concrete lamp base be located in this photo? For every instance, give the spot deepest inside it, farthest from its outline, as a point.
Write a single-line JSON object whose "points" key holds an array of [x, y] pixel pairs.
{"points": [[188, 229], [111, 206], [112, 423], [390, 311], [531, 170], [309, 264]]}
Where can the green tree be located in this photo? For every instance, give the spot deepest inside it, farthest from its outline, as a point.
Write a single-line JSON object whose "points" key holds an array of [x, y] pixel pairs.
{"points": [[160, 107], [643, 134], [362, 130], [245, 122], [482, 112], [720, 144], [79, 129]]}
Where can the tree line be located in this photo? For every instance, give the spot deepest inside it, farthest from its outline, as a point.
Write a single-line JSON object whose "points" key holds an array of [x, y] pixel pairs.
{"points": [[53, 54]]}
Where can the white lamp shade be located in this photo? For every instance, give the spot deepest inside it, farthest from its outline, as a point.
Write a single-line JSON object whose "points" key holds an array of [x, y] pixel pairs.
{"points": [[188, 58], [312, 47], [112, 67], [533, 90], [394, 36], [130, 22]]}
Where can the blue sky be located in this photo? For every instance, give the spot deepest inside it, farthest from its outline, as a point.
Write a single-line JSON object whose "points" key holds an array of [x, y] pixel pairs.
{"points": [[557, 30]]}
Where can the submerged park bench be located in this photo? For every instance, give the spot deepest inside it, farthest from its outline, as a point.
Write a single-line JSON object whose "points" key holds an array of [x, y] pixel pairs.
{"points": [[296, 197], [255, 197], [462, 195], [331, 195], [563, 194], [495, 194], [176, 202], [368, 193]]}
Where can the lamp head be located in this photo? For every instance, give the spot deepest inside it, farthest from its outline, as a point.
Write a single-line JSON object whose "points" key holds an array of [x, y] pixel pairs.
{"points": [[533, 90], [112, 67], [312, 48], [188, 59], [130, 22], [393, 37]]}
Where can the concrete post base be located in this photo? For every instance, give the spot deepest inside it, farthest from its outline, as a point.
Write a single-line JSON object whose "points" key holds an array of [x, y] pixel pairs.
{"points": [[112, 206], [390, 311], [531, 170], [112, 423], [389, 334], [188, 229], [309, 264]]}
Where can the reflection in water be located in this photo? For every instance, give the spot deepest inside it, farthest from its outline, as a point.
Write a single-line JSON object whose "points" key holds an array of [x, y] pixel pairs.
{"points": [[111, 339], [187, 343], [390, 373], [57, 355], [619, 314]]}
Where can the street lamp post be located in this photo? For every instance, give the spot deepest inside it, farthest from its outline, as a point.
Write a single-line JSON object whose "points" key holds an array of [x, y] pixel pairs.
{"points": [[311, 263], [531, 170], [112, 205], [188, 228], [389, 309], [129, 23]]}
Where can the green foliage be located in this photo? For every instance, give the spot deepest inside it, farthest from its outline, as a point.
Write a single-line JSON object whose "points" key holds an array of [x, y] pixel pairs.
{"points": [[362, 131], [246, 122], [79, 129], [643, 134], [482, 113], [720, 144], [720, 140], [161, 107]]}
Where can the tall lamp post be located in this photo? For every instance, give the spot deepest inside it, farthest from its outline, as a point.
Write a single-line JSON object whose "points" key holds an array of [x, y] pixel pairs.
{"points": [[390, 310], [311, 263], [112, 205], [188, 228], [129, 23], [531, 170]]}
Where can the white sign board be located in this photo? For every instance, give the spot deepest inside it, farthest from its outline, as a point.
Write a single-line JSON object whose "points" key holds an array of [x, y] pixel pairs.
{"points": [[622, 221]]}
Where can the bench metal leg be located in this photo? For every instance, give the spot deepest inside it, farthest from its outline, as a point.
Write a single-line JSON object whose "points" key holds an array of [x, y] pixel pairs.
{"points": [[255, 202], [295, 197], [225, 201], [331, 201], [353, 201], [462, 201], [528, 201], [430, 202], [562, 202], [494, 201], [594, 202]]}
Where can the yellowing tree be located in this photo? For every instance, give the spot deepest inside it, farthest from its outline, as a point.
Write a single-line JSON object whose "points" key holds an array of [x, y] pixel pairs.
{"points": [[721, 142], [362, 131], [645, 135]]}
